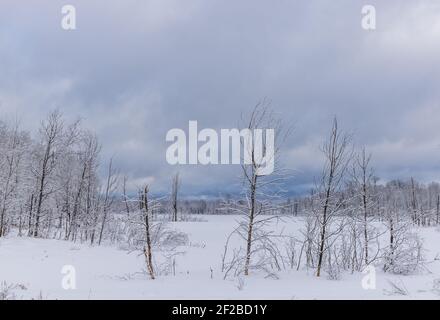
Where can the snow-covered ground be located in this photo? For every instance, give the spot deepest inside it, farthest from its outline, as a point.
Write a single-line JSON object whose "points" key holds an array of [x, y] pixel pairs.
{"points": [[34, 268]]}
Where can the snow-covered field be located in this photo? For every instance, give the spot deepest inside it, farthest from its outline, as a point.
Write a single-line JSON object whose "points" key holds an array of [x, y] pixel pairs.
{"points": [[33, 269]]}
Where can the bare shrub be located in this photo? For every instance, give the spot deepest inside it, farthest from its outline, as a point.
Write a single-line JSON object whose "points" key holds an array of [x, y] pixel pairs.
{"points": [[406, 256], [397, 288], [7, 290]]}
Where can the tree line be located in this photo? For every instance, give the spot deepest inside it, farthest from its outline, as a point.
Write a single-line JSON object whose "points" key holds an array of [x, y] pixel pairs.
{"points": [[51, 187]]}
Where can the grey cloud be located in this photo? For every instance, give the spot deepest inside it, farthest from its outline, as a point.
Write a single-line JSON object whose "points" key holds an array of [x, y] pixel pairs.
{"points": [[135, 69]]}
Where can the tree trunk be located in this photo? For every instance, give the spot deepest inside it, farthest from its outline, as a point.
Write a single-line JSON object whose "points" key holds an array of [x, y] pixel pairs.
{"points": [[147, 250], [438, 210], [364, 200], [250, 226], [323, 232]]}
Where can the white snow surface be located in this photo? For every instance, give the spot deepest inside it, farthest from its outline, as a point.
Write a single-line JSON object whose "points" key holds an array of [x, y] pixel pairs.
{"points": [[34, 267]]}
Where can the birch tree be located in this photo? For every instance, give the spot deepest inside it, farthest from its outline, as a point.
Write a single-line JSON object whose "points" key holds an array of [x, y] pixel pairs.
{"points": [[261, 191], [13, 164], [110, 187], [363, 179], [55, 139], [146, 210], [337, 156]]}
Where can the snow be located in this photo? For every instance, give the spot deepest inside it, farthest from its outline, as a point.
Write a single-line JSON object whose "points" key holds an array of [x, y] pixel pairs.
{"points": [[108, 272]]}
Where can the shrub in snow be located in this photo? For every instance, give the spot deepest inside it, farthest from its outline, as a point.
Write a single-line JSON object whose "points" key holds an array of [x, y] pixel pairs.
{"points": [[436, 286], [397, 289], [405, 256], [7, 290]]}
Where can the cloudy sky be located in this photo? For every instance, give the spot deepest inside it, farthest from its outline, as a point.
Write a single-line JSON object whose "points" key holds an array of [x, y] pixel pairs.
{"points": [[134, 69]]}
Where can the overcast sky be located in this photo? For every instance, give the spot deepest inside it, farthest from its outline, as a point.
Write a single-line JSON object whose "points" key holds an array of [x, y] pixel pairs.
{"points": [[135, 69]]}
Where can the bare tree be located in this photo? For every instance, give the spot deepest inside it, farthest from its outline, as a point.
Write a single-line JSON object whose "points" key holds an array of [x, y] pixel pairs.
{"points": [[151, 236], [363, 179], [337, 158], [261, 190], [147, 224], [13, 144], [437, 214], [85, 182], [124, 194], [174, 194], [110, 187], [55, 141], [403, 255], [415, 215]]}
